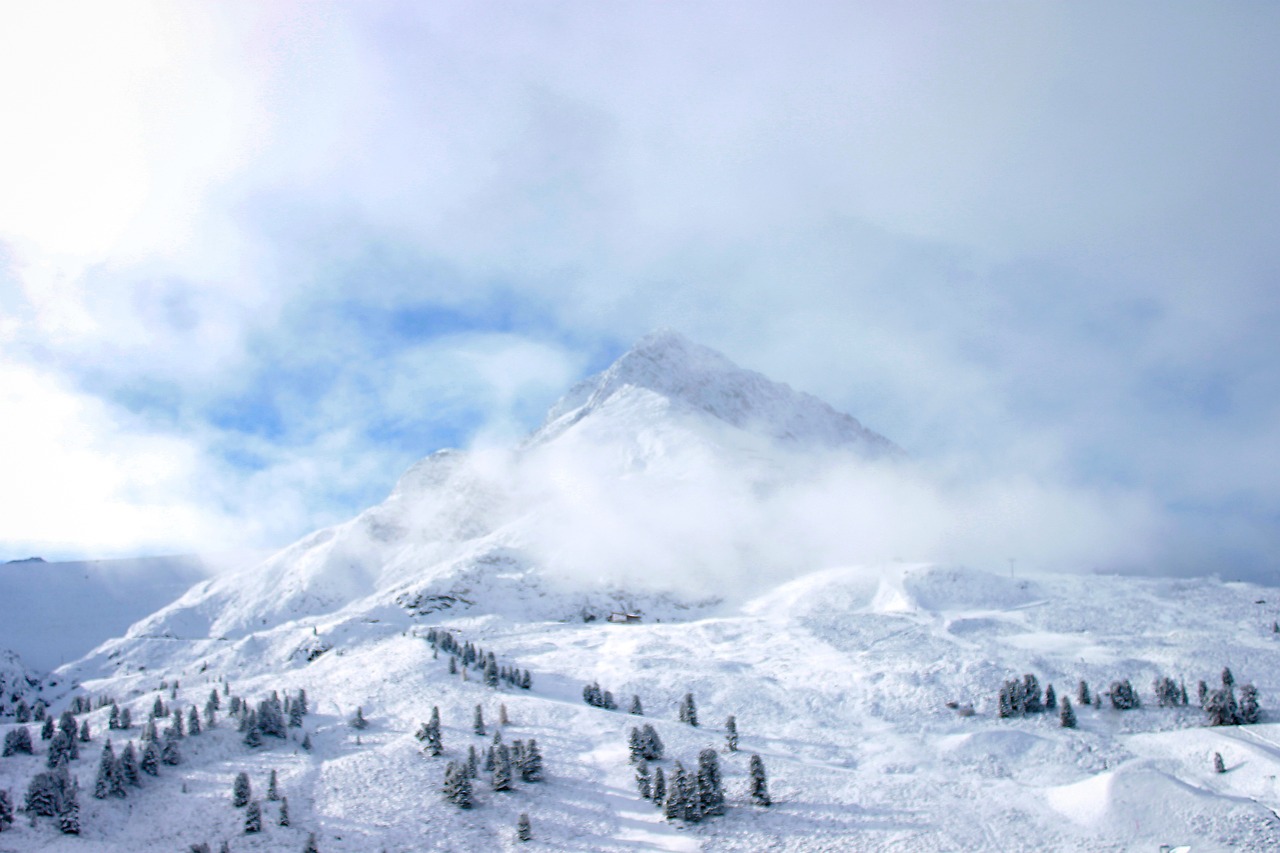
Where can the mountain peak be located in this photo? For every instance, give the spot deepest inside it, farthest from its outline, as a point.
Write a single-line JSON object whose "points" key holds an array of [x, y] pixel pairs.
{"points": [[698, 378]]}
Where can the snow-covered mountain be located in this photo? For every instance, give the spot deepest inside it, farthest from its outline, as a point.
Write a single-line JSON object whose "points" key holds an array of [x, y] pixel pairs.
{"points": [[662, 487], [669, 422]]}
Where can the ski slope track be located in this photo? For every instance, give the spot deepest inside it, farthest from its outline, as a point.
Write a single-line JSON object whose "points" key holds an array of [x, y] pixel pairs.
{"points": [[849, 680]]}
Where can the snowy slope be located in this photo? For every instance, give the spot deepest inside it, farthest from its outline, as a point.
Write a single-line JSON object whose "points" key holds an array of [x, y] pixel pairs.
{"points": [[838, 679], [650, 489]]}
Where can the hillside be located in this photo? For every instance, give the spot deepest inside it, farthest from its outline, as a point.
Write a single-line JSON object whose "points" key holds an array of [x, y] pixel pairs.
{"points": [[724, 511]]}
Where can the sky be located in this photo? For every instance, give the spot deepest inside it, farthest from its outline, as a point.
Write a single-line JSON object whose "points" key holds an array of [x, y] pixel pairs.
{"points": [[256, 259]]}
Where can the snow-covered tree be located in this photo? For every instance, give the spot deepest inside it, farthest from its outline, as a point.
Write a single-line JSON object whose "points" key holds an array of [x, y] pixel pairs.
{"points": [[710, 790], [306, 741], [169, 754], [193, 721], [688, 710], [644, 779], [6, 810], [241, 791], [358, 721], [253, 818], [502, 768], [524, 831], [1249, 712], [759, 782], [22, 712], [659, 787], [636, 708], [1082, 693], [1066, 716], [150, 762], [17, 740], [1219, 766], [273, 787], [1228, 680], [1123, 696], [1032, 703], [69, 814], [312, 846], [284, 811], [457, 785], [113, 717], [477, 721], [129, 766], [85, 735], [731, 733], [531, 762], [108, 781], [1167, 693], [677, 805], [46, 730], [1221, 708], [1050, 699], [126, 718], [1202, 693]]}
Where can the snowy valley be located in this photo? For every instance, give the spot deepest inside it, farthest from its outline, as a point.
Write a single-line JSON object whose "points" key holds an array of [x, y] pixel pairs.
{"points": [[750, 531]]}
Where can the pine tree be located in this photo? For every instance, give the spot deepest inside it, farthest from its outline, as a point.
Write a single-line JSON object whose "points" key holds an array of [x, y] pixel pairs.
{"points": [[759, 783], [1067, 716], [1032, 703], [69, 815], [113, 718], [158, 709], [1220, 708], [126, 718], [503, 719], [129, 766], [273, 787], [1249, 712], [1219, 766], [636, 707], [524, 832], [526, 680], [731, 733], [659, 787], [1050, 699], [502, 769], [85, 735], [284, 811], [531, 762], [688, 711], [473, 761], [676, 806], [46, 731], [306, 741], [1202, 693], [252, 734], [6, 810], [21, 712], [477, 723], [1123, 696], [644, 781], [1082, 694], [457, 785], [253, 818], [170, 754], [193, 721], [150, 763], [652, 747], [67, 724], [312, 845], [241, 790], [710, 790], [634, 749], [1228, 680], [104, 784], [358, 721], [17, 740]]}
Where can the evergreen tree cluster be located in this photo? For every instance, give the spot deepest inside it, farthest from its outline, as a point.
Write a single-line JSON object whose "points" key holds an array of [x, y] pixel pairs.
{"points": [[17, 740], [522, 760], [116, 774], [52, 794], [1123, 696], [1022, 696], [6, 810], [692, 797], [1221, 707], [1169, 693], [273, 717], [644, 744], [464, 655], [597, 698]]}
